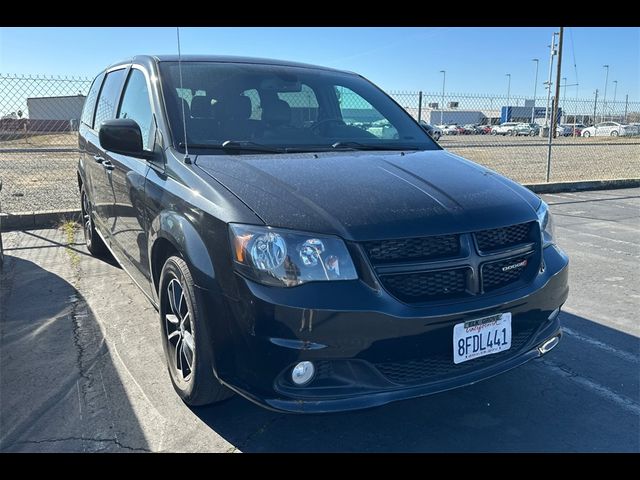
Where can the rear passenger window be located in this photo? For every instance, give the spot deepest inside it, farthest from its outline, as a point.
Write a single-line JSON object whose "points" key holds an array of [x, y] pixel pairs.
{"points": [[108, 101], [90, 101], [136, 106]]}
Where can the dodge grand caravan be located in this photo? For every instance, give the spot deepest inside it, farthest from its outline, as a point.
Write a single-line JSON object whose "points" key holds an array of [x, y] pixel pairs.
{"points": [[305, 242]]}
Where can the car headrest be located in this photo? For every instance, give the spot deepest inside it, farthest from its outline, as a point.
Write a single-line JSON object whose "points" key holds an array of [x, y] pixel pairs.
{"points": [[201, 107], [232, 108], [277, 112]]}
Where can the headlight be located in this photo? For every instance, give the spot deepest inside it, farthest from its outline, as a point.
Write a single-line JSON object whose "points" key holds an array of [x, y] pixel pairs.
{"points": [[286, 258], [546, 225]]}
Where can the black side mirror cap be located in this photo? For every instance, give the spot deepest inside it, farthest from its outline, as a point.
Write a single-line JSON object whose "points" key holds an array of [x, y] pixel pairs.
{"points": [[123, 136]]}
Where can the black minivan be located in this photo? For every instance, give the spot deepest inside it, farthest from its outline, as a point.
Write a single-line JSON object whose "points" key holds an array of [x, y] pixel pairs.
{"points": [[305, 241]]}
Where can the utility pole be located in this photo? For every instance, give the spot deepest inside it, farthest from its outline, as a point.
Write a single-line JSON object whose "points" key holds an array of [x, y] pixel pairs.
{"points": [[419, 105], [558, 78], [604, 97], [535, 88], [595, 107], [444, 79], [551, 54]]}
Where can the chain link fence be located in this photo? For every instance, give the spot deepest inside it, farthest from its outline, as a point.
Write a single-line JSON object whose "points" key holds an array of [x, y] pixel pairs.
{"points": [[39, 119], [473, 126]]}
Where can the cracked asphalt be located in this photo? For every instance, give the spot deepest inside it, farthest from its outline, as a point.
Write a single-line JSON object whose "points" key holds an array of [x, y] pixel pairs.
{"points": [[82, 369]]}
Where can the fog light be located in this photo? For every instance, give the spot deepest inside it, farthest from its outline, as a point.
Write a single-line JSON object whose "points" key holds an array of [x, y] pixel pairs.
{"points": [[302, 373]]}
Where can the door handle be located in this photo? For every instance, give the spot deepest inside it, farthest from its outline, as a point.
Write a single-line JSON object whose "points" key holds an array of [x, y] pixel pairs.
{"points": [[98, 158], [107, 164]]}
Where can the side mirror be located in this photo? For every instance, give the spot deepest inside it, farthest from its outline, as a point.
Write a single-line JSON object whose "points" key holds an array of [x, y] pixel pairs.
{"points": [[123, 135]]}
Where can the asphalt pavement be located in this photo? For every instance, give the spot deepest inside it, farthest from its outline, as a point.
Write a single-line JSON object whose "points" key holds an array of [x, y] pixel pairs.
{"points": [[82, 368]]}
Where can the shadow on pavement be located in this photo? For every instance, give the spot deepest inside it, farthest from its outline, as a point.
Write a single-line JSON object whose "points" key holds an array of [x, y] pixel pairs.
{"points": [[59, 389], [570, 400]]}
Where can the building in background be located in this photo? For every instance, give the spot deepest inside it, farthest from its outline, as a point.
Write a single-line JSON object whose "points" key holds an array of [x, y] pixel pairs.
{"points": [[54, 114]]}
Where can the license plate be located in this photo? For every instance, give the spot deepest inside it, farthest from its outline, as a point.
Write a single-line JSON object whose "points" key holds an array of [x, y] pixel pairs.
{"points": [[482, 336]]}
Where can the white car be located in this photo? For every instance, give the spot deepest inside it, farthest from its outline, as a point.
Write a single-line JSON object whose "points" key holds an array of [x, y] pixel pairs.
{"points": [[610, 129], [448, 129], [504, 129]]}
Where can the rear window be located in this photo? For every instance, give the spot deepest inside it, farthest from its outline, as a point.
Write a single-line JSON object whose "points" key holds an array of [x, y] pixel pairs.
{"points": [[90, 101], [108, 100]]}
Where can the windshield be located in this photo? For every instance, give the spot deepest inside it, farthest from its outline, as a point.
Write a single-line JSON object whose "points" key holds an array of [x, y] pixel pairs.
{"points": [[283, 108]]}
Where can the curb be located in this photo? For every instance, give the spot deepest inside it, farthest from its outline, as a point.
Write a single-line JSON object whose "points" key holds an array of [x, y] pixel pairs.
{"points": [[35, 220], [559, 187], [52, 218]]}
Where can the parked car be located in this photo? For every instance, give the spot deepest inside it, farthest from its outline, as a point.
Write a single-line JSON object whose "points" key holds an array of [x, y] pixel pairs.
{"points": [[564, 130], [484, 129], [528, 129], [470, 129], [504, 128], [449, 129], [432, 130], [298, 259], [609, 129]]}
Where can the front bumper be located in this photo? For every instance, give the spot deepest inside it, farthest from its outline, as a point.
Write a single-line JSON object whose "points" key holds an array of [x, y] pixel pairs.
{"points": [[370, 349]]}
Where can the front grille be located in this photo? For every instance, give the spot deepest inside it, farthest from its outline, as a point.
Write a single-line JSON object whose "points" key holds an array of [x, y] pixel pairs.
{"points": [[424, 286], [413, 249], [498, 274], [403, 265], [440, 366], [504, 237]]}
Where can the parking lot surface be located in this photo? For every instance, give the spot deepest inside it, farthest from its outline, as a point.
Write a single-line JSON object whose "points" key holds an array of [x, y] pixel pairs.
{"points": [[82, 369]]}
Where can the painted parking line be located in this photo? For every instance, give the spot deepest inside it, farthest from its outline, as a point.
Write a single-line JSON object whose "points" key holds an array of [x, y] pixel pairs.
{"points": [[603, 346], [604, 392]]}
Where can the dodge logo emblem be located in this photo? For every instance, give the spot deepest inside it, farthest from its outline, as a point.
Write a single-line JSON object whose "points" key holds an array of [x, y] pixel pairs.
{"points": [[522, 263]]}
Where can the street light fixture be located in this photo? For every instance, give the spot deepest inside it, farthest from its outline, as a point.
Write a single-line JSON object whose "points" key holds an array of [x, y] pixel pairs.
{"points": [[444, 79]]}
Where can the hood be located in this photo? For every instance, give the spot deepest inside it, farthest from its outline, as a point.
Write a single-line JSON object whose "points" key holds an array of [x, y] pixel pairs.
{"points": [[372, 195]]}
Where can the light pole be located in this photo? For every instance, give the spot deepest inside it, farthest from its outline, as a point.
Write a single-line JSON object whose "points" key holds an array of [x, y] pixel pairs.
{"points": [[444, 79], [615, 91], [535, 89], [564, 93], [604, 96], [508, 95], [552, 52]]}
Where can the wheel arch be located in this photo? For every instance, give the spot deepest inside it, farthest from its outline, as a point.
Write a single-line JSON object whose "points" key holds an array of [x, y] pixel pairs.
{"points": [[172, 233]]}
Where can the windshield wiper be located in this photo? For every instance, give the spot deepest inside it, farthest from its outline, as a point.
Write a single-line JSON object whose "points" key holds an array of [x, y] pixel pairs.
{"points": [[236, 145], [364, 146]]}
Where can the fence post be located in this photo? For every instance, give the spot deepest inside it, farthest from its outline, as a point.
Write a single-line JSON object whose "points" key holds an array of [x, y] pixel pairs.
{"points": [[551, 128], [419, 105], [626, 107]]}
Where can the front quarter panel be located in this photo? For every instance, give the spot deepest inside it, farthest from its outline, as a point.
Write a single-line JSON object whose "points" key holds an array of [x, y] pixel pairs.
{"points": [[192, 214]]}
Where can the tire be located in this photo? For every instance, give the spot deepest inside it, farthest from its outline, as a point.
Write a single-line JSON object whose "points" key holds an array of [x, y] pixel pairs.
{"points": [[586, 134], [185, 335], [92, 240], [614, 133], [493, 132]]}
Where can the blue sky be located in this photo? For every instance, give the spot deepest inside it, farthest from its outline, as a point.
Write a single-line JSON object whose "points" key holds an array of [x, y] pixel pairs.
{"points": [[403, 58]]}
